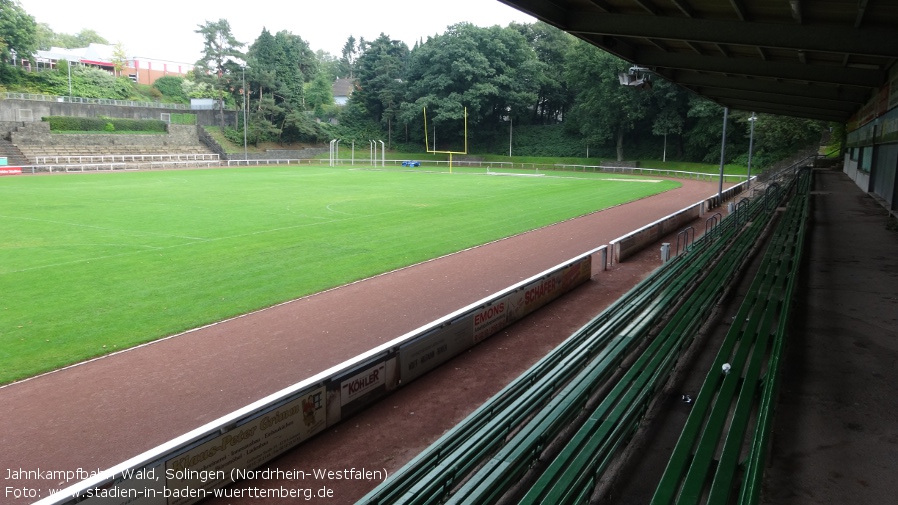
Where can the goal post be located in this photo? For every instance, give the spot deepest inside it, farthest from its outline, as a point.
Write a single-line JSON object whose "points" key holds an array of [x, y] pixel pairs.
{"points": [[450, 153]]}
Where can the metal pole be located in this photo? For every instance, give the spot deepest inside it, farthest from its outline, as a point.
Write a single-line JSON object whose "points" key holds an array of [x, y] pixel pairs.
{"points": [[723, 149], [510, 123], [751, 140], [353, 152], [244, 113], [337, 153], [383, 154], [69, 66]]}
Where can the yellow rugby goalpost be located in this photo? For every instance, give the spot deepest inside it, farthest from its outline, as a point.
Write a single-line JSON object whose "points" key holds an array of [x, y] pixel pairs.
{"points": [[450, 153]]}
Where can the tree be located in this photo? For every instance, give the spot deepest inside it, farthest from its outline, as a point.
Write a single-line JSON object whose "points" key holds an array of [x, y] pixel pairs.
{"points": [[87, 37], [706, 130], [489, 71], [381, 73], [119, 58], [319, 94], [47, 38], [298, 65], [775, 137], [221, 61], [347, 62], [279, 66], [667, 122], [18, 32], [328, 64], [604, 110], [551, 46]]}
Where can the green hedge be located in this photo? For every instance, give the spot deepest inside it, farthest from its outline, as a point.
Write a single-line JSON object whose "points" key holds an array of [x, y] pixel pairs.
{"points": [[90, 124], [188, 119]]}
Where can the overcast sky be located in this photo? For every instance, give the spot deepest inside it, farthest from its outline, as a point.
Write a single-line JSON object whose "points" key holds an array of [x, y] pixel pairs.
{"points": [[164, 29]]}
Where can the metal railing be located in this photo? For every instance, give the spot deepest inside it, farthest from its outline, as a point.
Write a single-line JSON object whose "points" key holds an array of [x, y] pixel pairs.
{"points": [[93, 101], [103, 158]]}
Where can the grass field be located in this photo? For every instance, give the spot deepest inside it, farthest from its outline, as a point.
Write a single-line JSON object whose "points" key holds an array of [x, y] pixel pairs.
{"points": [[94, 263]]}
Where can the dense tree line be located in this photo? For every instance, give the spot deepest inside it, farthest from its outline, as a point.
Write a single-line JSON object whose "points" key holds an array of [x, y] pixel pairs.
{"points": [[526, 87]]}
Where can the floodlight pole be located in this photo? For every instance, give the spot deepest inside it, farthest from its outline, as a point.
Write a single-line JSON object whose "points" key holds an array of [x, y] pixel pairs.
{"points": [[244, 116], [69, 66], [510, 123], [353, 153], [723, 149], [751, 141]]}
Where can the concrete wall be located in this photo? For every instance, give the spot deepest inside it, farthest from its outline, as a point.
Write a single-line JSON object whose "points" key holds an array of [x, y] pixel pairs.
{"points": [[38, 134], [637, 240], [11, 111]]}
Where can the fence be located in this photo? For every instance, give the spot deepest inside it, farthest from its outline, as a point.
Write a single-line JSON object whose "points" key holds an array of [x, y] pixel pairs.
{"points": [[74, 160], [93, 101]]}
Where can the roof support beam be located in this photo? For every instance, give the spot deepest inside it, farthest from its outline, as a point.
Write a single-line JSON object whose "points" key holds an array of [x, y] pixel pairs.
{"points": [[825, 94], [813, 113], [773, 69], [832, 39], [649, 7], [605, 6], [684, 7], [546, 11], [778, 100], [739, 7]]}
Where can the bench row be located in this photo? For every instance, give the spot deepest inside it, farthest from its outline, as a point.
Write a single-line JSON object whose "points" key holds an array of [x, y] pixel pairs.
{"points": [[722, 447], [494, 447]]}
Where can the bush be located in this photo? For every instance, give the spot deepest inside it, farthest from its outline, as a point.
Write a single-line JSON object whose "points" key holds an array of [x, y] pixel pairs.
{"points": [[234, 136], [171, 87], [188, 119], [90, 124]]}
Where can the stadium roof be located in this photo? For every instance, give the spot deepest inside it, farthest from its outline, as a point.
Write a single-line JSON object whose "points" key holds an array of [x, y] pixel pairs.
{"points": [[806, 58]]}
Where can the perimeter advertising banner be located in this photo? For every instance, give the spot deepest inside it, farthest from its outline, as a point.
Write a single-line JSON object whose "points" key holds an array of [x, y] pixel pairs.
{"points": [[542, 291], [438, 345], [359, 387], [190, 476], [488, 320], [435, 347], [10, 171]]}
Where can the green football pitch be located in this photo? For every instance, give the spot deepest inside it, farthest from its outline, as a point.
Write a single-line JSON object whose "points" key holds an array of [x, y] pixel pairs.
{"points": [[95, 263]]}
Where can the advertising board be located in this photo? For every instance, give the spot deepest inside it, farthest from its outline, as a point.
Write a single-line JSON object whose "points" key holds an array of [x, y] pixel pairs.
{"points": [[190, 476]]}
